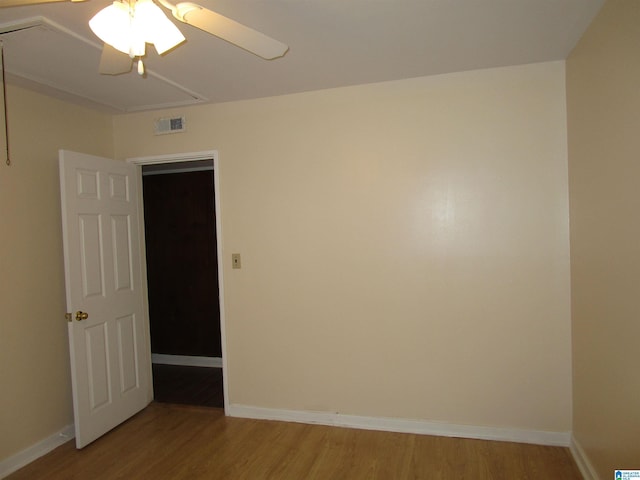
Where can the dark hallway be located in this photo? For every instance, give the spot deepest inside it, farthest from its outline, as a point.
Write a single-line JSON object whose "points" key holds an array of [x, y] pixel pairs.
{"points": [[182, 279]]}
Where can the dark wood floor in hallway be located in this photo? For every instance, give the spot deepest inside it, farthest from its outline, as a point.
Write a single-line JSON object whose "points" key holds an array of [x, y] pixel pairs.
{"points": [[201, 386], [184, 442]]}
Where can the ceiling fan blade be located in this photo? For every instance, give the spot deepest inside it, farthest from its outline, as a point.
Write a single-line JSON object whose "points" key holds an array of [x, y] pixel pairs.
{"points": [[113, 62], [229, 30], [19, 3]]}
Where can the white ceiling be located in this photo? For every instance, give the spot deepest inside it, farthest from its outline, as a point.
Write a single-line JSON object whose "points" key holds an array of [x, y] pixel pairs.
{"points": [[332, 43]]}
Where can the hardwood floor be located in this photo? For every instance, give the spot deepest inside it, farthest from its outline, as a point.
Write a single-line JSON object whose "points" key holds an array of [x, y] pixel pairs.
{"points": [[184, 442], [200, 386]]}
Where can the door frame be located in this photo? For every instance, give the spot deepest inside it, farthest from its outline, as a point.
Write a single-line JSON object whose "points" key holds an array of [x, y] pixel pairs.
{"points": [[177, 158]]}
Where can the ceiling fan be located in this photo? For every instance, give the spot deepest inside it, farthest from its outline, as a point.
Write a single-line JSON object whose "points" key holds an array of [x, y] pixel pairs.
{"points": [[126, 26]]}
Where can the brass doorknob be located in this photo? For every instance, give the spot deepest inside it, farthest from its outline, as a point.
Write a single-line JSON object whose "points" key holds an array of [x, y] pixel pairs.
{"points": [[81, 315]]}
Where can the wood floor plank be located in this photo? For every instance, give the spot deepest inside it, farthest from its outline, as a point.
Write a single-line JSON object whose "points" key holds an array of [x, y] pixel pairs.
{"points": [[200, 386], [174, 442]]}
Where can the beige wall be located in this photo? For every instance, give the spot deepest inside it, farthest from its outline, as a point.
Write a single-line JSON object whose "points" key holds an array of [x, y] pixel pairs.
{"points": [[603, 97], [404, 245], [35, 398]]}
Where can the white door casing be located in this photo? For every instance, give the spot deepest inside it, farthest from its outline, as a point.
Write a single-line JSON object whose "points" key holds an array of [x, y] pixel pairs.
{"points": [[110, 350], [189, 157]]}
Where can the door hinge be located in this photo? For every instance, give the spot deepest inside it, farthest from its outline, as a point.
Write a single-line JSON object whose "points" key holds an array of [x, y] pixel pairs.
{"points": [[68, 317]]}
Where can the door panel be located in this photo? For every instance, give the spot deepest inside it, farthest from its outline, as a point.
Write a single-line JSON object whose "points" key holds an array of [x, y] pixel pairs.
{"points": [[121, 252], [128, 354], [91, 260], [110, 354], [98, 376]]}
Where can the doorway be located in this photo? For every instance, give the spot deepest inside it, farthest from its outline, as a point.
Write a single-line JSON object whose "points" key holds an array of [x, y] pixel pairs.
{"points": [[182, 224]]}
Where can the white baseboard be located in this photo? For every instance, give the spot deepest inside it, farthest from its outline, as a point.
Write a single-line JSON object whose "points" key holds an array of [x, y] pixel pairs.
{"points": [[186, 360], [423, 427], [584, 465], [23, 458]]}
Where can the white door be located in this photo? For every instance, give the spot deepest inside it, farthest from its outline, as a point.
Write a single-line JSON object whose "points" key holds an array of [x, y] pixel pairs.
{"points": [[110, 350]]}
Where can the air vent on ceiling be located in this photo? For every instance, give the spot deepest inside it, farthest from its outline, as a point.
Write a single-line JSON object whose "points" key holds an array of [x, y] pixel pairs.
{"points": [[163, 126]]}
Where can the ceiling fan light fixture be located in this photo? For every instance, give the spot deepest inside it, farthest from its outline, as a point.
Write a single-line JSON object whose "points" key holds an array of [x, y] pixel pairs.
{"points": [[154, 26], [110, 23], [128, 28]]}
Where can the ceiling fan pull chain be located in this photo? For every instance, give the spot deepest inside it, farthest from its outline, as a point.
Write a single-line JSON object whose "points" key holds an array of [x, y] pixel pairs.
{"points": [[4, 104]]}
